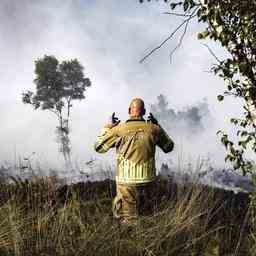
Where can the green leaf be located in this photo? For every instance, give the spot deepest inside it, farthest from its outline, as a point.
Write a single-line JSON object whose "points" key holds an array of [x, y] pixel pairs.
{"points": [[186, 5], [220, 97], [174, 5], [203, 35]]}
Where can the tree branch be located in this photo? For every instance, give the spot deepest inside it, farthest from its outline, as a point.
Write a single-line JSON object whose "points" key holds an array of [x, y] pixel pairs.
{"points": [[68, 112], [54, 112], [177, 14], [191, 16], [180, 41], [212, 53]]}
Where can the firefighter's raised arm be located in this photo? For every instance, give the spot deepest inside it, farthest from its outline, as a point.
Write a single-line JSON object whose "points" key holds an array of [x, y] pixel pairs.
{"points": [[107, 137], [164, 141]]}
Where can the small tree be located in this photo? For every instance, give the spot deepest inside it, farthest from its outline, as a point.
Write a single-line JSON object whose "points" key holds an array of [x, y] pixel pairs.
{"points": [[57, 85]]}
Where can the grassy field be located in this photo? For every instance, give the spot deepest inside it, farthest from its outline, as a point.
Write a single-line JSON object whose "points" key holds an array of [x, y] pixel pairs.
{"points": [[43, 217]]}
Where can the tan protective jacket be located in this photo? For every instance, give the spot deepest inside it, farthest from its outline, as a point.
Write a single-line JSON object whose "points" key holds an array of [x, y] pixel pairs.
{"points": [[135, 143]]}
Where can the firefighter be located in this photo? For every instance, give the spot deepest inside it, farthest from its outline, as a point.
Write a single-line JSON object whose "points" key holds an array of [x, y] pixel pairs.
{"points": [[135, 142]]}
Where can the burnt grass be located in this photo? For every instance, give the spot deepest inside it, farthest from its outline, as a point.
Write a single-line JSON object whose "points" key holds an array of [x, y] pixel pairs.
{"points": [[225, 212], [224, 208]]}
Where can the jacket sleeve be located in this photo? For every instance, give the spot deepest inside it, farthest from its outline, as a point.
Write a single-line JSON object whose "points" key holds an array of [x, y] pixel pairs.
{"points": [[105, 140], [164, 141]]}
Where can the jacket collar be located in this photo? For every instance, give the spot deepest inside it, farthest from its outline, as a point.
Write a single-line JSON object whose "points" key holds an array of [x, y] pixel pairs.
{"points": [[135, 119]]}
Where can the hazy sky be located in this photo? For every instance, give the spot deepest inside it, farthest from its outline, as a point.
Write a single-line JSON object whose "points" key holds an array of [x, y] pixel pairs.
{"points": [[108, 37]]}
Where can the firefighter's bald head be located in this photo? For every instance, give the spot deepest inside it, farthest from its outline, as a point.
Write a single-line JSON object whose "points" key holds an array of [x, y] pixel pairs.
{"points": [[137, 108]]}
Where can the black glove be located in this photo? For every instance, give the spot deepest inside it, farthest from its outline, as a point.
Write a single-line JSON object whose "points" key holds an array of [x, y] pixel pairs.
{"points": [[152, 119], [114, 120]]}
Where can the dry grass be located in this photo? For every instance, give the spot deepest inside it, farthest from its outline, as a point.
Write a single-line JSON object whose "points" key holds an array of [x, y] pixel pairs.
{"points": [[38, 218]]}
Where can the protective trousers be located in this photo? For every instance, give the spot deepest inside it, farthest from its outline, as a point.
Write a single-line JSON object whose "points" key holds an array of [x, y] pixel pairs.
{"points": [[132, 201]]}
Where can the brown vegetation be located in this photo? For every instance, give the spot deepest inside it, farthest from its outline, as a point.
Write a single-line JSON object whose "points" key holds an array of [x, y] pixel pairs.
{"points": [[40, 217]]}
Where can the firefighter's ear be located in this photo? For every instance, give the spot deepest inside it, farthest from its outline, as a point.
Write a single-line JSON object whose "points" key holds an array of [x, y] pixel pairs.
{"points": [[129, 111]]}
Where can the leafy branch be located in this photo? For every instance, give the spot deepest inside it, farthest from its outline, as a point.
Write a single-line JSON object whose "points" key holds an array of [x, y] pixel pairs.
{"points": [[232, 23]]}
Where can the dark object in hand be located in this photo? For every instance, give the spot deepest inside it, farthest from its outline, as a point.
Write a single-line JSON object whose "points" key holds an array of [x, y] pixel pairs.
{"points": [[114, 119], [152, 119]]}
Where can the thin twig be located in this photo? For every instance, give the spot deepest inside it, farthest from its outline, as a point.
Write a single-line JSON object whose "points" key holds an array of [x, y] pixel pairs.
{"points": [[54, 112], [177, 14], [180, 41], [212, 53]]}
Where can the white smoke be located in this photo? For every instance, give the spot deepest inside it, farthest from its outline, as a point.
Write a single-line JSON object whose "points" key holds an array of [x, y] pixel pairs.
{"points": [[108, 39]]}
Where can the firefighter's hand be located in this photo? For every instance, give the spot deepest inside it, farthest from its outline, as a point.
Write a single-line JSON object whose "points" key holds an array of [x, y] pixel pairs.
{"points": [[114, 121], [152, 119]]}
